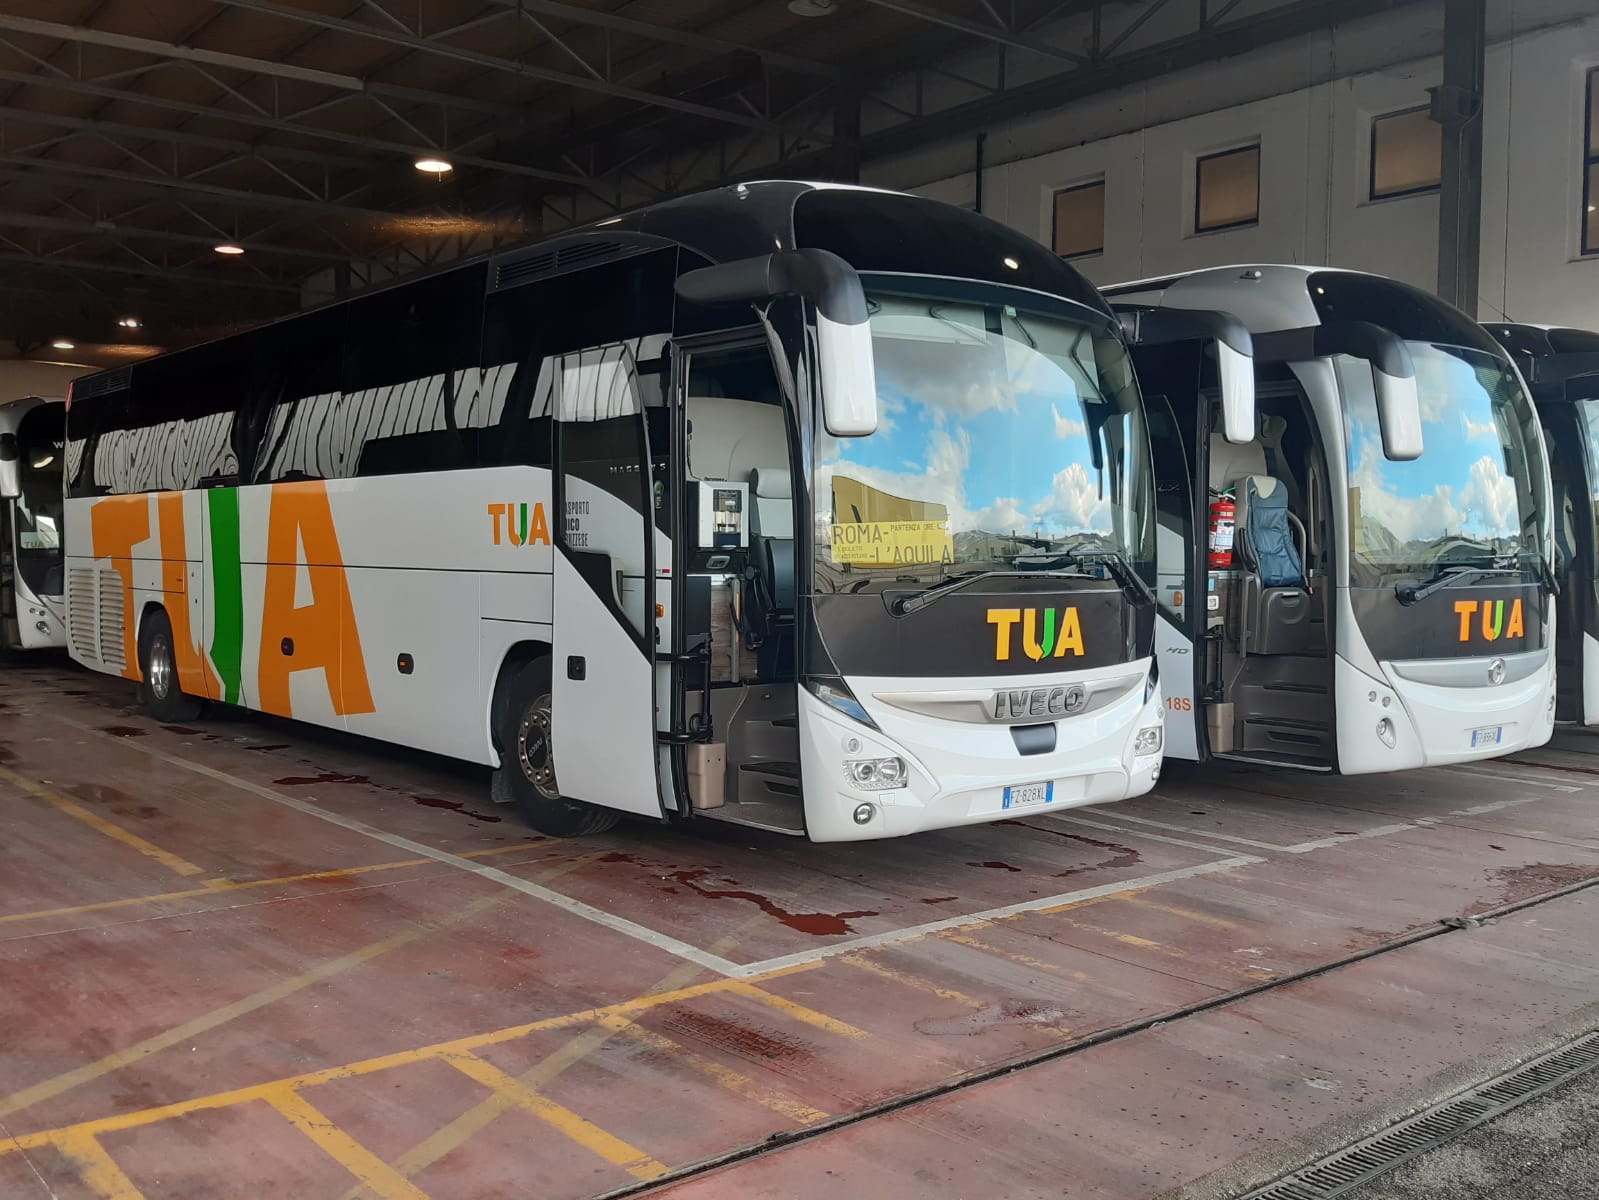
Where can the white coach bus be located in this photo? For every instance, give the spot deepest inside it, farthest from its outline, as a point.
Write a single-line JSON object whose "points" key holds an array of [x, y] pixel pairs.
{"points": [[1366, 585], [31, 603], [818, 509], [1561, 367]]}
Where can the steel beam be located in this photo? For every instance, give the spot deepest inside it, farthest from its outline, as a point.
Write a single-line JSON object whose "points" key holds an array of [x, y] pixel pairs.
{"points": [[46, 262], [1457, 107], [252, 149], [117, 232], [987, 33], [650, 31], [494, 62], [215, 58]]}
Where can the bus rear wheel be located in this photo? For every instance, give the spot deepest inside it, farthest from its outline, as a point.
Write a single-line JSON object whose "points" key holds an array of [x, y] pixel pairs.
{"points": [[160, 688], [526, 775]]}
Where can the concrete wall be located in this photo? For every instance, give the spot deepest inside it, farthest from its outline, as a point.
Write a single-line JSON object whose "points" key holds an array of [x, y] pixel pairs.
{"points": [[1310, 104], [20, 377]]}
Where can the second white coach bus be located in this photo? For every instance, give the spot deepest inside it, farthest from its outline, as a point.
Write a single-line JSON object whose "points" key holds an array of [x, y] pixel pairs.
{"points": [[31, 602], [818, 509], [1379, 596]]}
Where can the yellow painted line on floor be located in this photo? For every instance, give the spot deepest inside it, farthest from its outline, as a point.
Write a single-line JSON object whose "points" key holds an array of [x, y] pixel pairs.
{"points": [[97, 1169], [580, 1130], [1092, 900], [861, 962], [724, 1076], [374, 1174], [1187, 914], [213, 886], [189, 1030], [1015, 956], [148, 1116], [98, 823], [798, 1011]]}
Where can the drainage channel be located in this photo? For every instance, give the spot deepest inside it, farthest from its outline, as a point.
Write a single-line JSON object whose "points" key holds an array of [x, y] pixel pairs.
{"points": [[778, 1141], [1345, 1170]]}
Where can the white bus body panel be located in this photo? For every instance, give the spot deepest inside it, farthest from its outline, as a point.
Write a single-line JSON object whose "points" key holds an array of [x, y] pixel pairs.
{"points": [[1435, 704], [1175, 654], [1590, 680], [959, 769]]}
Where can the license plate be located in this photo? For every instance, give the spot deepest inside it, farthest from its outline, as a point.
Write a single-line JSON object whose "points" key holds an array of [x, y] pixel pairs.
{"points": [[1492, 735], [1022, 795]]}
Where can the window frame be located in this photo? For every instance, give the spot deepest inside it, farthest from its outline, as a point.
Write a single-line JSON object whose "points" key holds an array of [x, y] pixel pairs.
{"points": [[1054, 217], [1372, 195], [1588, 231], [1199, 194]]}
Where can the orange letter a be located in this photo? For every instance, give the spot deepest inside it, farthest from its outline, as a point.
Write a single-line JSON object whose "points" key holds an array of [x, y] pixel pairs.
{"points": [[323, 633]]}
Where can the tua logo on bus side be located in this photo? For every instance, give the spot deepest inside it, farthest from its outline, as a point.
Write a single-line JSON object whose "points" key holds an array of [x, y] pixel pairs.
{"points": [[519, 530], [1494, 624], [1062, 631]]}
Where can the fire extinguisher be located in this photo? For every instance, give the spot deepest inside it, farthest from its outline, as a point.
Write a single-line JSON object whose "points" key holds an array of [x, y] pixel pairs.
{"points": [[1223, 513]]}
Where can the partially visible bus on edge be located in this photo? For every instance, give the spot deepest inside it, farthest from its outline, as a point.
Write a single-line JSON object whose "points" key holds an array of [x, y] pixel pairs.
{"points": [[1561, 367], [1366, 585], [31, 603], [818, 509]]}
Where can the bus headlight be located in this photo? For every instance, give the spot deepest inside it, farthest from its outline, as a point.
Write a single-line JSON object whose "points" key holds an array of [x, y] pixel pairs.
{"points": [[875, 774], [835, 694], [1149, 741]]}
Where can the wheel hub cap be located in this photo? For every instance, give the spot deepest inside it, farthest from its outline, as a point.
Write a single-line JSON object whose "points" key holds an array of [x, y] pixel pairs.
{"points": [[533, 749], [160, 668]]}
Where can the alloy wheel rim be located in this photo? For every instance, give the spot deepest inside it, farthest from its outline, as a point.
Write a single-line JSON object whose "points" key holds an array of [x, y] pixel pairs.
{"points": [[533, 751]]}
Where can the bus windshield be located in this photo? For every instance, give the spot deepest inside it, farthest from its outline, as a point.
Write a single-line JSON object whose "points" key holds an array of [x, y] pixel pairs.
{"points": [[1006, 439], [1472, 496]]}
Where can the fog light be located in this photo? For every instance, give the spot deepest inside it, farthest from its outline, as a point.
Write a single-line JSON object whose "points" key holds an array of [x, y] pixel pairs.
{"points": [[1149, 741], [1385, 731], [864, 813], [1154, 773], [876, 774]]}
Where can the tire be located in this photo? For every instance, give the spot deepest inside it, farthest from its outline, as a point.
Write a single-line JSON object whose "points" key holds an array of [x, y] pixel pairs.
{"points": [[159, 691], [526, 775]]}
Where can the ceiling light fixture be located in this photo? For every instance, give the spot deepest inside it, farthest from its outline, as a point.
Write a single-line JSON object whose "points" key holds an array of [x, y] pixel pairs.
{"points": [[129, 322], [63, 344], [228, 248], [432, 164]]}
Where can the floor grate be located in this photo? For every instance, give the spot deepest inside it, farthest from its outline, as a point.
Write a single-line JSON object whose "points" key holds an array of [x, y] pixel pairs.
{"points": [[1344, 1170]]}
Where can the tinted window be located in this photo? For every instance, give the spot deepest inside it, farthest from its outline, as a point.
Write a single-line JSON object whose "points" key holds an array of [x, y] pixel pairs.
{"points": [[1409, 312], [1080, 220], [909, 235], [1406, 153], [1227, 189]]}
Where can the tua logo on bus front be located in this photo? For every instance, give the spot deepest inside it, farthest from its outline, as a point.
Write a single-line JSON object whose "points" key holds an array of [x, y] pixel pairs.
{"points": [[1062, 631], [519, 530], [1494, 622]]}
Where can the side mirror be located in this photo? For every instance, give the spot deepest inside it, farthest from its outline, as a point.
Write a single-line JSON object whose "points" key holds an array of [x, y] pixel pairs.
{"points": [[846, 374], [10, 471], [1393, 373], [1235, 356]]}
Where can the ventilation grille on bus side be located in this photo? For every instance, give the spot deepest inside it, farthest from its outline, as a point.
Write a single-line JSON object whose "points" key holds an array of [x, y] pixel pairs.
{"points": [[545, 261], [111, 621], [99, 385], [80, 607]]}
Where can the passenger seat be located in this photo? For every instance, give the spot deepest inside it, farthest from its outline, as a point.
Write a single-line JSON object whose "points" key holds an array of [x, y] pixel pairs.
{"points": [[1278, 610]]}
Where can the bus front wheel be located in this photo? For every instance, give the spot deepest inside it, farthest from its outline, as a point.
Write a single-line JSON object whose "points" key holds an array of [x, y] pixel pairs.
{"points": [[526, 775], [160, 689]]}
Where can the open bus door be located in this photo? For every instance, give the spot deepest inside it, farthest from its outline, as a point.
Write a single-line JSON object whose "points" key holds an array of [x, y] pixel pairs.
{"points": [[603, 696], [1571, 432]]}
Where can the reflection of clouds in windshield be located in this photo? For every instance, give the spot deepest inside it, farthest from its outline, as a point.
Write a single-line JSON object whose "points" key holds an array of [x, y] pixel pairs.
{"points": [[1480, 429], [1065, 427], [1074, 502], [1485, 506], [1004, 516], [942, 481], [1492, 495]]}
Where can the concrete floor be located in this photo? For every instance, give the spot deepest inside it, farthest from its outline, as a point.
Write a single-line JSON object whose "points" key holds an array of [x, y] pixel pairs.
{"points": [[242, 958]]}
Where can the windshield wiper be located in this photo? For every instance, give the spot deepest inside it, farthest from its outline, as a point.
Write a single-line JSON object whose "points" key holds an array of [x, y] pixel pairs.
{"points": [[1546, 575], [1412, 593], [1130, 581], [946, 587]]}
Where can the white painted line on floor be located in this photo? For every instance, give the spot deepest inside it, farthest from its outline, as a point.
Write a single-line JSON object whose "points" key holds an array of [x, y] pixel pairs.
{"points": [[913, 932], [1467, 769], [642, 933], [1192, 832]]}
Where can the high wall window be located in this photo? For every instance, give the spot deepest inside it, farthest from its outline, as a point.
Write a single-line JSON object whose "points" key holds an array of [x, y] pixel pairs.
{"points": [[1590, 169], [1227, 189], [1406, 154], [1080, 220]]}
